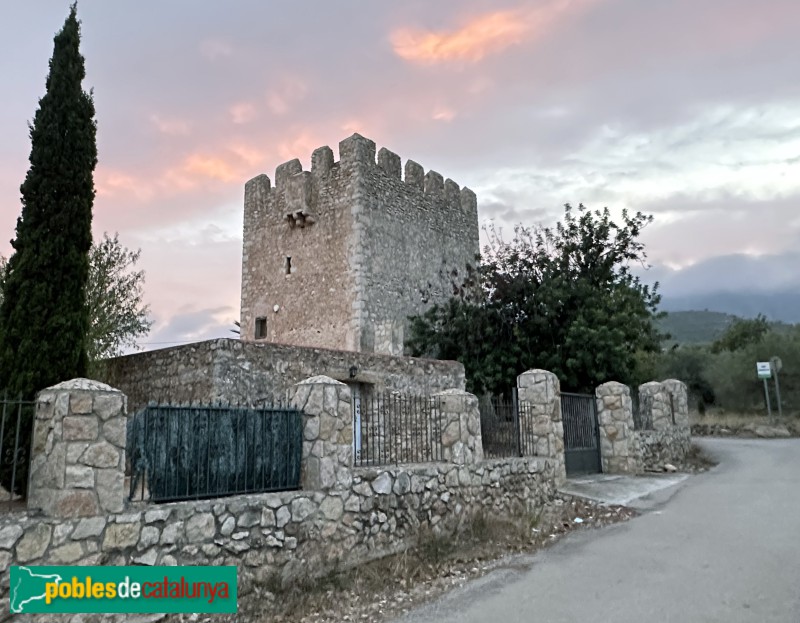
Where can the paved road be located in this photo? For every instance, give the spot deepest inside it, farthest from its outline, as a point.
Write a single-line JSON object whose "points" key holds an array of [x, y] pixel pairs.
{"points": [[725, 548]]}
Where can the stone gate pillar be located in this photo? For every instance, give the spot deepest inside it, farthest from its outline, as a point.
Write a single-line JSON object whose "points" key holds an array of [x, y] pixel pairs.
{"points": [[655, 403], [539, 394], [460, 420], [619, 449], [680, 401], [78, 452], [327, 431]]}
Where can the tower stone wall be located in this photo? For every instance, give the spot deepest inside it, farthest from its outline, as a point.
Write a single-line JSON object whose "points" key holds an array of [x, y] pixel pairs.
{"points": [[339, 256]]}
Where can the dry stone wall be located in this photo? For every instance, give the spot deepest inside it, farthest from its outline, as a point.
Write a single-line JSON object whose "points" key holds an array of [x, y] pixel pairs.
{"points": [[245, 372], [344, 516], [375, 512], [626, 450]]}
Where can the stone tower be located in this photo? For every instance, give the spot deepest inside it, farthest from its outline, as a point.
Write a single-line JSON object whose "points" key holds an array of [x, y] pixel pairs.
{"points": [[339, 256]]}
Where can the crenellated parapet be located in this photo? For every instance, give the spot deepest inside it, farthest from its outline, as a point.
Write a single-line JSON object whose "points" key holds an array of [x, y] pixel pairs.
{"points": [[297, 186]]}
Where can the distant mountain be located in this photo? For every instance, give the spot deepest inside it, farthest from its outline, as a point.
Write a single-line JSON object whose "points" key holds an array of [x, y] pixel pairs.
{"points": [[701, 327], [694, 327], [783, 306]]}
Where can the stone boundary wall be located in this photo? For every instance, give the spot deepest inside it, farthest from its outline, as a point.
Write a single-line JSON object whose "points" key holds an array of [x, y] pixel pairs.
{"points": [[352, 515], [376, 512], [666, 442], [624, 450], [245, 372], [661, 447]]}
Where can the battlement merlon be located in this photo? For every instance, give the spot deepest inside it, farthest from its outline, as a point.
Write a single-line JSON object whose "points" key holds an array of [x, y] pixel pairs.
{"points": [[356, 151]]}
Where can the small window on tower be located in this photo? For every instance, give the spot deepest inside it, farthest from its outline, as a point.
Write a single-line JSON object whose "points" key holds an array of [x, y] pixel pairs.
{"points": [[261, 328], [288, 265]]}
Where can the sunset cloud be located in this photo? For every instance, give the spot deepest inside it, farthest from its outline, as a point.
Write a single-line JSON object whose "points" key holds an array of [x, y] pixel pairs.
{"points": [[170, 126], [687, 110], [443, 113], [479, 36], [288, 93], [226, 166], [243, 112], [110, 183]]}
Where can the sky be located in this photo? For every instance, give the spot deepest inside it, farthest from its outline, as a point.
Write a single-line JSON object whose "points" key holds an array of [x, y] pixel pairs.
{"points": [[686, 110]]}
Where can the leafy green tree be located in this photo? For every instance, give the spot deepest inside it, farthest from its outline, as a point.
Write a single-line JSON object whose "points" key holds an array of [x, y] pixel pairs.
{"points": [[43, 315], [732, 374], [563, 299], [741, 333], [114, 298]]}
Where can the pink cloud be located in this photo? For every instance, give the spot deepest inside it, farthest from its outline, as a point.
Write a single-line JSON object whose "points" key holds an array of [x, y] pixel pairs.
{"points": [[223, 166], [243, 112], [111, 183], [444, 113], [171, 126], [480, 36], [288, 93]]}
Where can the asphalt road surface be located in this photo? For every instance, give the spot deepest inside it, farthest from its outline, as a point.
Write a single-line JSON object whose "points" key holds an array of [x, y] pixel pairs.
{"points": [[725, 547]]}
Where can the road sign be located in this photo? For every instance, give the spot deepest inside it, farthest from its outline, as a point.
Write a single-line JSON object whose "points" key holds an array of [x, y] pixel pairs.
{"points": [[777, 364], [764, 370]]}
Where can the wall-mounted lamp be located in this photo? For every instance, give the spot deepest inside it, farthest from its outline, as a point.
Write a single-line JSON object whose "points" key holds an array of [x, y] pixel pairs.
{"points": [[353, 372]]}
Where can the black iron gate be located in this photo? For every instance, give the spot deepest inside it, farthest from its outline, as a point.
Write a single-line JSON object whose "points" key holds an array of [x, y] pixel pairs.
{"points": [[502, 433], [581, 433]]}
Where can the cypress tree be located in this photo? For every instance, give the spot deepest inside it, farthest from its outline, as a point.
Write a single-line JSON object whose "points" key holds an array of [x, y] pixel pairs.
{"points": [[43, 316]]}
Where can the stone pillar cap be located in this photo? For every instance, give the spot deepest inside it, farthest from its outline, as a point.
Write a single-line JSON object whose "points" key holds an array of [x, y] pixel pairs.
{"points": [[452, 392], [84, 385], [320, 379]]}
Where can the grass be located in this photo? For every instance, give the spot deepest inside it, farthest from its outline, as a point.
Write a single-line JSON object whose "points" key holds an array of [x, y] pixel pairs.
{"points": [[736, 422]]}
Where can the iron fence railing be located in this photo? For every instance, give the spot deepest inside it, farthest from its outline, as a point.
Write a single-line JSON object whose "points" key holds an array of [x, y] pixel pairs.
{"points": [[193, 452], [390, 429], [506, 427], [16, 422]]}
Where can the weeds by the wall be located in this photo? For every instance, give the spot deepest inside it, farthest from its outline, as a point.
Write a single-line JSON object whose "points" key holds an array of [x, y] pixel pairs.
{"points": [[439, 561]]}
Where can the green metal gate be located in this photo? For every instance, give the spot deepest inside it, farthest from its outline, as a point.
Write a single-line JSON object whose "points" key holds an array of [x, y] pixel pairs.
{"points": [[581, 434], [191, 452]]}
